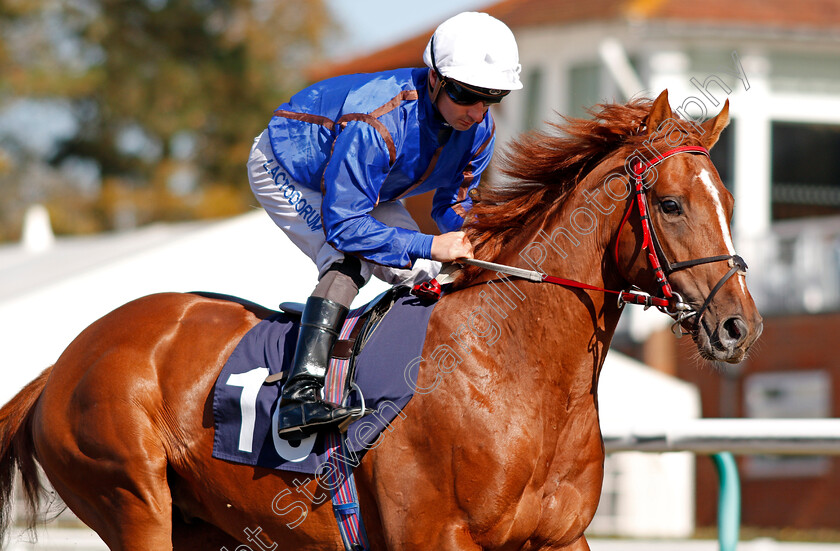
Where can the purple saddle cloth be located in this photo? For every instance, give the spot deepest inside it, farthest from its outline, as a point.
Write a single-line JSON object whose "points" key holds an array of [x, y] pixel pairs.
{"points": [[244, 405]]}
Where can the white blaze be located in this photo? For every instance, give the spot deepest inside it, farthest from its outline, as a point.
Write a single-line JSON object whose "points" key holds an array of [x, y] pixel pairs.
{"points": [[706, 178]]}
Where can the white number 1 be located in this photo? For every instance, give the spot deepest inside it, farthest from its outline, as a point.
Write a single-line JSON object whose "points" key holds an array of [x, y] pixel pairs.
{"points": [[251, 382]]}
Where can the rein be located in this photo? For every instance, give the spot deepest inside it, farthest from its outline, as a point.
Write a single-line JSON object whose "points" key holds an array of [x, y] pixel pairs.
{"points": [[630, 296], [670, 303]]}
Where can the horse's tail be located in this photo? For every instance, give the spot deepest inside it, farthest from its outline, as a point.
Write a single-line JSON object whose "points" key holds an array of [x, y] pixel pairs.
{"points": [[17, 451]]}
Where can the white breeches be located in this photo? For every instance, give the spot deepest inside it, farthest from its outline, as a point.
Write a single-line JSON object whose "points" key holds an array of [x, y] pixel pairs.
{"points": [[297, 211]]}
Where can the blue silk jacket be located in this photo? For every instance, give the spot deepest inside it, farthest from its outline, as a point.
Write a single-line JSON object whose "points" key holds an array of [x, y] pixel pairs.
{"points": [[367, 138]]}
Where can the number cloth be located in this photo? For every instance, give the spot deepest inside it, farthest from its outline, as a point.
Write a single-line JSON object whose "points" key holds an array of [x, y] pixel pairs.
{"points": [[386, 371]]}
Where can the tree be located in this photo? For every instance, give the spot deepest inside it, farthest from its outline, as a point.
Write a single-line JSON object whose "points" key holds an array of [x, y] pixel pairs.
{"points": [[167, 95]]}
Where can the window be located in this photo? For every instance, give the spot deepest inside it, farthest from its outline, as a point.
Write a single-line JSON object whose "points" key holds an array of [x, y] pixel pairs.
{"points": [[805, 170], [533, 99], [585, 89], [723, 155]]}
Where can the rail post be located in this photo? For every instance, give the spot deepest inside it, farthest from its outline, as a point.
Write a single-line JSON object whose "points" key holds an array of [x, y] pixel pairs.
{"points": [[729, 500]]}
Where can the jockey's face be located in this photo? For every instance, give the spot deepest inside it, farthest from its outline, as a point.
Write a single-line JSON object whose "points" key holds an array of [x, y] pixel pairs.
{"points": [[458, 116]]}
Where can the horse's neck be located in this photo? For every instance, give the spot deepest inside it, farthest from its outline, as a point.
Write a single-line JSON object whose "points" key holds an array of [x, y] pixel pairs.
{"points": [[574, 326], [574, 242]]}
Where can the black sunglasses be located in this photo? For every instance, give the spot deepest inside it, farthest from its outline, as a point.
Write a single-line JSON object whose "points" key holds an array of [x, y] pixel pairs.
{"points": [[464, 95]]}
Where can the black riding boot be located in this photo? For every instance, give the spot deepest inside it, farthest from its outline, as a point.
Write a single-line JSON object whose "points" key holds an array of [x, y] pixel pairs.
{"points": [[302, 410]]}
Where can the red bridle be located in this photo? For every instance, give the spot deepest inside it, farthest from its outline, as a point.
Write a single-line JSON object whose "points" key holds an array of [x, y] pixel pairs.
{"points": [[662, 268]]}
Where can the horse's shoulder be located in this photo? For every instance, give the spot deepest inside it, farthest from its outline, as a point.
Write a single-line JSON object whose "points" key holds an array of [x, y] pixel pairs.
{"points": [[453, 309]]}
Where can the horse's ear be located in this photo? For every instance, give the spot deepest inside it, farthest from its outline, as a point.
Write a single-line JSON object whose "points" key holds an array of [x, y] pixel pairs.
{"points": [[713, 127], [661, 111]]}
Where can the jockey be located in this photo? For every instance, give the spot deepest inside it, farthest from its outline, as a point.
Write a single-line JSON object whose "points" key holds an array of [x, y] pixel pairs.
{"points": [[335, 161]]}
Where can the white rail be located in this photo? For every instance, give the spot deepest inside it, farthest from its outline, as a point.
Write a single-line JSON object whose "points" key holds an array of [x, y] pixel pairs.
{"points": [[721, 438], [737, 436]]}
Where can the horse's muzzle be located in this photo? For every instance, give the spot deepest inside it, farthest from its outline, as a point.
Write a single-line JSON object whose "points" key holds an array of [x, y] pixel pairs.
{"points": [[728, 340]]}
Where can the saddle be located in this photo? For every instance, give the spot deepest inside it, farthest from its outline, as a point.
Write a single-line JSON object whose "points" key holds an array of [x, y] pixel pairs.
{"points": [[375, 362], [348, 348]]}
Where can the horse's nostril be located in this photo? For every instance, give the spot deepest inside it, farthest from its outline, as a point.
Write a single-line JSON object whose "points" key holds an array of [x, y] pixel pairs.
{"points": [[734, 331]]}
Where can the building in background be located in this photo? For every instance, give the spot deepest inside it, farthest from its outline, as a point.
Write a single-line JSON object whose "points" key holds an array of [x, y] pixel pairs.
{"points": [[778, 63]]}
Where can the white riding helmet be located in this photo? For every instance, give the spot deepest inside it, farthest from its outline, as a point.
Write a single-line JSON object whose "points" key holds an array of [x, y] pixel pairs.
{"points": [[475, 49]]}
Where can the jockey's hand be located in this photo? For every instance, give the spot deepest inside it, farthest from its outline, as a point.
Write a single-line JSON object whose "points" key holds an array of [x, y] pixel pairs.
{"points": [[451, 246]]}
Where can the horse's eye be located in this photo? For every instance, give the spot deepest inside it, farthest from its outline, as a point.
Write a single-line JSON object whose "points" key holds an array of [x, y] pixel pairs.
{"points": [[669, 206]]}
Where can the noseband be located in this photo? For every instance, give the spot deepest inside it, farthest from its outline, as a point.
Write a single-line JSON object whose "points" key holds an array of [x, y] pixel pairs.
{"points": [[662, 267]]}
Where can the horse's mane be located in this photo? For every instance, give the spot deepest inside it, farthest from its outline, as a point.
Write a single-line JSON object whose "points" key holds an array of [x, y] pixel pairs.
{"points": [[541, 169]]}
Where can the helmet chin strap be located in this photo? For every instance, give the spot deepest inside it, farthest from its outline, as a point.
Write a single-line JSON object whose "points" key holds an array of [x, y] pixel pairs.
{"points": [[434, 91], [438, 77]]}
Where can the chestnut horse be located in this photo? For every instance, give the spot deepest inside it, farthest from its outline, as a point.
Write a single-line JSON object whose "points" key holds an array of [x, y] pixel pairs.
{"points": [[499, 449]]}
